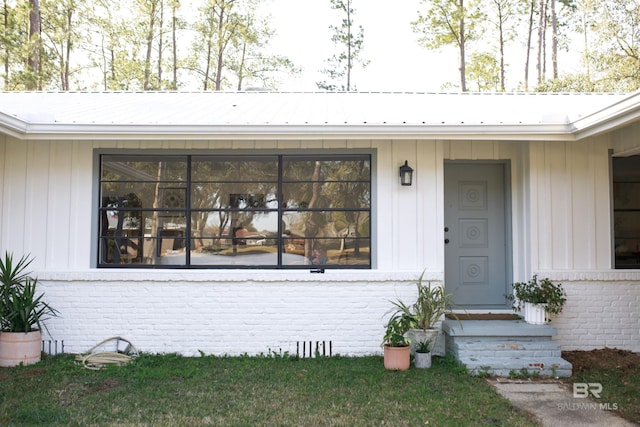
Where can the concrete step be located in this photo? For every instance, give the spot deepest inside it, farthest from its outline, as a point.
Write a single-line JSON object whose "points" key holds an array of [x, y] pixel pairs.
{"points": [[517, 366], [496, 328], [504, 348]]}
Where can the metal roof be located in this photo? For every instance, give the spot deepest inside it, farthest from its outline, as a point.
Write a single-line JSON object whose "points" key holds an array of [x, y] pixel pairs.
{"points": [[279, 115]]}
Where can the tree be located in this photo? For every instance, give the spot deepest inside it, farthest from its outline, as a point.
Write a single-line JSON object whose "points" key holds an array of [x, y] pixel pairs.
{"points": [[218, 26], [340, 66], [505, 19], [485, 72], [60, 34], [248, 61], [616, 55], [449, 22]]}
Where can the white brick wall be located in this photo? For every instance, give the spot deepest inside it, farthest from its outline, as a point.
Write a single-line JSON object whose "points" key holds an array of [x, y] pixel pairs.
{"points": [[602, 310], [222, 312], [236, 312]]}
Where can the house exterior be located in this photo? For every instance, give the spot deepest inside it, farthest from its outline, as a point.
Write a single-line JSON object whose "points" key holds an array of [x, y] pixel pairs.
{"points": [[249, 222]]}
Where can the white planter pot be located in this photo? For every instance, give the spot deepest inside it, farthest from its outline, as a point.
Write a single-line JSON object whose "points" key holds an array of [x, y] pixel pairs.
{"points": [[535, 314], [420, 335], [422, 360]]}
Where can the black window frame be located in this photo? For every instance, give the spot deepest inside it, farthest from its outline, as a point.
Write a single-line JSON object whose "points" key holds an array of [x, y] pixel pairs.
{"points": [[626, 212], [281, 210]]}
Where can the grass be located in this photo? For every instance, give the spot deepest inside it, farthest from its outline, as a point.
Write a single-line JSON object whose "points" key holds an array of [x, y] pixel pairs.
{"points": [[275, 390], [619, 374]]}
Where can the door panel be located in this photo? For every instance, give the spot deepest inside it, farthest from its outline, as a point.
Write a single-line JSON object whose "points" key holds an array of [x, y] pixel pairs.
{"points": [[475, 234]]}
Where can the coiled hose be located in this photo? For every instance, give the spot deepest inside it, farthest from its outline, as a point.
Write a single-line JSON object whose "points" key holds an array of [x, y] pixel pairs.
{"points": [[99, 360]]}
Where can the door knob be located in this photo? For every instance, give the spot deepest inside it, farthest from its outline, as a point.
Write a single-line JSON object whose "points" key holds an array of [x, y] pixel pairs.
{"points": [[446, 241], [446, 229]]}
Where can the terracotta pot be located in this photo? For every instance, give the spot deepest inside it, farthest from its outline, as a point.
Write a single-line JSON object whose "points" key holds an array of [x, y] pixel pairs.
{"points": [[20, 347], [397, 358]]}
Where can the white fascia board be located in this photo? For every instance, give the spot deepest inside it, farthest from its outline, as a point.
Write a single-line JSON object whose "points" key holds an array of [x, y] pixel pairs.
{"points": [[518, 132], [13, 126], [610, 118]]}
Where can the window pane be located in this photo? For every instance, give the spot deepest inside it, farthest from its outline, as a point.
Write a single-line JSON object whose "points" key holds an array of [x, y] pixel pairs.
{"points": [[234, 169], [626, 216], [143, 237], [338, 237], [234, 195], [352, 168], [327, 195], [234, 238], [143, 195], [143, 168]]}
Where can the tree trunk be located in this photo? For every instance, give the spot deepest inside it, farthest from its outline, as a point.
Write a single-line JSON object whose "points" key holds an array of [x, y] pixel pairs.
{"points": [[175, 44], [147, 61], [67, 60], [463, 66], [528, 55], [502, 73], [220, 51], [160, 44], [349, 39], [554, 39], [33, 61], [6, 47], [541, 26]]}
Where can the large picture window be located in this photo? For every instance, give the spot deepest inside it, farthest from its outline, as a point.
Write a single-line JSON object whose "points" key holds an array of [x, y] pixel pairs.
{"points": [[267, 211], [626, 211]]}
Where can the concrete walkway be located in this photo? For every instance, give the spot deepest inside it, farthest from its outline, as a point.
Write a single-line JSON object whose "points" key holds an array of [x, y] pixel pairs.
{"points": [[553, 404]]}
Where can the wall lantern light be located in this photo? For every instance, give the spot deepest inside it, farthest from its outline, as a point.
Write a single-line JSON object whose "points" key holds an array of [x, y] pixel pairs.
{"points": [[406, 174]]}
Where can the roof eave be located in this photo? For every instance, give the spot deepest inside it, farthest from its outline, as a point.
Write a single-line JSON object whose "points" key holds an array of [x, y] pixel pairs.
{"points": [[613, 117], [516, 132]]}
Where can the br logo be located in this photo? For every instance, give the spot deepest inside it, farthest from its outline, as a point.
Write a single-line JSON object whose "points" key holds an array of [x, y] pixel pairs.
{"points": [[583, 390]]}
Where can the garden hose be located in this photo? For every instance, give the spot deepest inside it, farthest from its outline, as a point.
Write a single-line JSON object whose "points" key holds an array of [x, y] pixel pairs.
{"points": [[99, 360]]}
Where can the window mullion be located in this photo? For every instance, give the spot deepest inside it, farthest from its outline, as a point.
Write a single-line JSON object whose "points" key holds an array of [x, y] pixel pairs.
{"points": [[280, 212], [187, 212]]}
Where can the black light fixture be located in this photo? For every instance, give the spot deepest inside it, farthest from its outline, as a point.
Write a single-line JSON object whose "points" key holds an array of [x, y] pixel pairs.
{"points": [[406, 174]]}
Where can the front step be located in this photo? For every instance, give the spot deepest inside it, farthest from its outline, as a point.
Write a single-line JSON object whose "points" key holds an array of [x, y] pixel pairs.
{"points": [[505, 348]]}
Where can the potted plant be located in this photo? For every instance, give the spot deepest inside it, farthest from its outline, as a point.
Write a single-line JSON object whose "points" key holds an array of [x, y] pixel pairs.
{"points": [[397, 353], [22, 312], [422, 356], [538, 299], [432, 303]]}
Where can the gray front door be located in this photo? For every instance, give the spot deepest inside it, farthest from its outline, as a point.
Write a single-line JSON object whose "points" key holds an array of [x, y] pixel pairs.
{"points": [[476, 230]]}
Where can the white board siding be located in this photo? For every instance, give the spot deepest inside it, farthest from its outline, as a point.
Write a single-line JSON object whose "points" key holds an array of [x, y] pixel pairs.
{"points": [[626, 141], [48, 207], [570, 189]]}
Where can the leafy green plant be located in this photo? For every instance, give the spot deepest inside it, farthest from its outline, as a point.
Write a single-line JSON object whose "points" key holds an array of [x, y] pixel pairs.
{"points": [[423, 346], [431, 304], [543, 291], [397, 326], [21, 308]]}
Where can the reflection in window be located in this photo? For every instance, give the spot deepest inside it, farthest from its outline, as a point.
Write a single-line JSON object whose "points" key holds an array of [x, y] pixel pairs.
{"points": [[277, 211], [626, 211]]}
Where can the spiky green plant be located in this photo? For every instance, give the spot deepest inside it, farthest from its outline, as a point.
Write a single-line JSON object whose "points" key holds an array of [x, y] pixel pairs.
{"points": [[21, 309]]}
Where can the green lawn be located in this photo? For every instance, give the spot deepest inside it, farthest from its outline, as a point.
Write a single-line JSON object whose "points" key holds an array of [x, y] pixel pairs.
{"points": [[273, 390], [618, 371]]}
